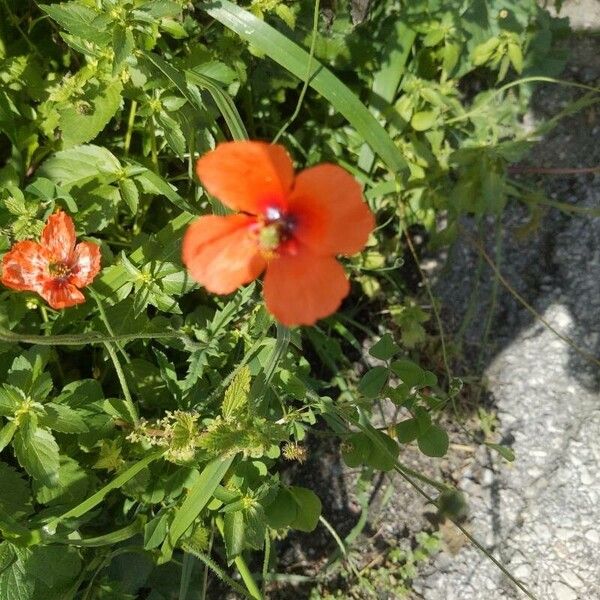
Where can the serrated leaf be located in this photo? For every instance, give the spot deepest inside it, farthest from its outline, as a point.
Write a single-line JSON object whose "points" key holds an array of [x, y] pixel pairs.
{"points": [[6, 434], [236, 395], [78, 20], [123, 46], [81, 164], [11, 397], [61, 417], [37, 452], [15, 498], [84, 121], [71, 487]]}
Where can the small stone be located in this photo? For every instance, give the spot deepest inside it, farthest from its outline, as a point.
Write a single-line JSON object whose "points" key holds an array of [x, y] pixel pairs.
{"points": [[571, 579], [586, 478], [522, 571], [593, 536], [563, 592]]}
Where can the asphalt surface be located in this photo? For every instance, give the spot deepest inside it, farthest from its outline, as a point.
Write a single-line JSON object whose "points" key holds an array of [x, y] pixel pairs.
{"points": [[541, 514]]}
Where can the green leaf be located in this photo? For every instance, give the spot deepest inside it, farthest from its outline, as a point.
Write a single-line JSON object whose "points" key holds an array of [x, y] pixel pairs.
{"points": [[407, 431], [78, 20], [356, 449], [384, 451], [434, 442], [423, 120], [129, 193], [293, 58], [15, 582], [309, 509], [37, 452], [236, 395], [483, 52], [15, 498], [505, 452], [154, 184], [516, 56], [60, 417], [71, 486], [55, 566], [372, 382], [282, 511], [385, 348], [11, 398], [155, 531], [412, 374], [234, 527], [80, 165], [87, 118], [197, 498], [6, 434], [123, 46], [172, 132]]}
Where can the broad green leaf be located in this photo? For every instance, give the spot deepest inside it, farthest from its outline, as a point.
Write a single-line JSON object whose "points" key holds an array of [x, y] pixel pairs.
{"points": [[154, 184], [434, 442], [15, 582], [78, 20], [407, 431], [516, 56], [71, 486], [37, 452], [373, 381], [61, 417], [412, 374], [356, 449], [293, 58], [384, 451], [55, 565], [77, 166], [87, 118], [282, 511], [385, 348], [309, 509]]}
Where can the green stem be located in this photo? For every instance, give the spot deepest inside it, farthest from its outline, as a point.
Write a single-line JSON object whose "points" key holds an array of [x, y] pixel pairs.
{"points": [[266, 560], [311, 54], [241, 566], [130, 123], [121, 375], [153, 147]]}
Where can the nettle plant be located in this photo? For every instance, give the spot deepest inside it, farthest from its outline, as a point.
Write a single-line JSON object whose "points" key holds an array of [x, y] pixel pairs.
{"points": [[150, 399]]}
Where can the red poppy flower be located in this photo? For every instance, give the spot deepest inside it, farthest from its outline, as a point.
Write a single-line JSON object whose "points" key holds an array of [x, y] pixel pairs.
{"points": [[290, 225], [56, 267]]}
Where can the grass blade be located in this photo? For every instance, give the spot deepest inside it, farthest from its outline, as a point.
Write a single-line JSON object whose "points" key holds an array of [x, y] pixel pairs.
{"points": [[293, 58]]}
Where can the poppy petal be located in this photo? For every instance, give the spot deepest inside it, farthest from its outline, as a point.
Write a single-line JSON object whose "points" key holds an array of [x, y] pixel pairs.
{"points": [[222, 253], [332, 216], [247, 176], [25, 267], [86, 264], [303, 288], [59, 236], [61, 294]]}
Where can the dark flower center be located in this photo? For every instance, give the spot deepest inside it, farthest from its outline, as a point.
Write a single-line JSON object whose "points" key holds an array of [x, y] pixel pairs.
{"points": [[277, 229]]}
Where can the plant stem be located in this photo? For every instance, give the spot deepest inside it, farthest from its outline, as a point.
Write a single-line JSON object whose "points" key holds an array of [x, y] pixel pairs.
{"points": [[130, 123], [241, 566], [121, 375]]}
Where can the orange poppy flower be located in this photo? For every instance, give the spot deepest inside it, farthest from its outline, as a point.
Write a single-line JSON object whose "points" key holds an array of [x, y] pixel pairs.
{"points": [[290, 225], [56, 267]]}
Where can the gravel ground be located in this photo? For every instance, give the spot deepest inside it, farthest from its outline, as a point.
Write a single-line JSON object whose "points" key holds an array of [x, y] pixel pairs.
{"points": [[541, 514]]}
